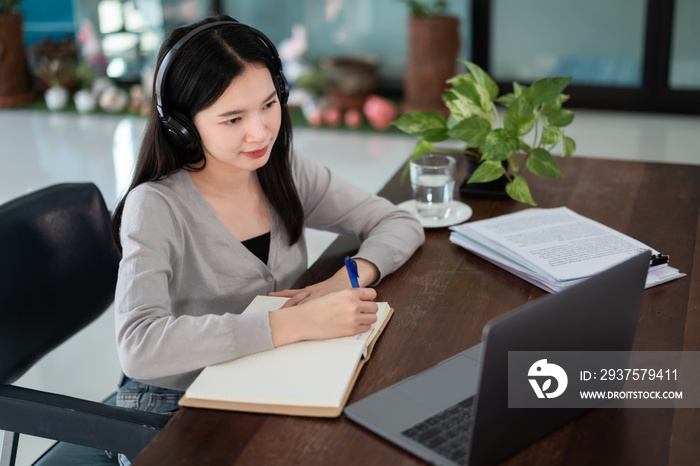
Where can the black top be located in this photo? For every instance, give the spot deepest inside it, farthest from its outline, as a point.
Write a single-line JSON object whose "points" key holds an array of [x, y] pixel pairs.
{"points": [[260, 246]]}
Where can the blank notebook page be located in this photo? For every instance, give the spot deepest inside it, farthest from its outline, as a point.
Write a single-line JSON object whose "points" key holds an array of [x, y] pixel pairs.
{"points": [[308, 373]]}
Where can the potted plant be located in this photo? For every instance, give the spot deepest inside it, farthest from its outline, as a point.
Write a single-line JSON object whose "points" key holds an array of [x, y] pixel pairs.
{"points": [[85, 101], [15, 82], [433, 44], [507, 144], [52, 73]]}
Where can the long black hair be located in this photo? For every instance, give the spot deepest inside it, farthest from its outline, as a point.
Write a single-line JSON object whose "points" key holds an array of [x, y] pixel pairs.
{"points": [[201, 72]]}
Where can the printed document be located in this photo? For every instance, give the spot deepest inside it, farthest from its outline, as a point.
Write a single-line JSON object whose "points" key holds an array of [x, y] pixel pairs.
{"points": [[553, 248]]}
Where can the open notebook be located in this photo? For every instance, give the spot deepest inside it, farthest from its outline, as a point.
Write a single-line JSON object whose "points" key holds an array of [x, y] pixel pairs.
{"points": [[308, 378]]}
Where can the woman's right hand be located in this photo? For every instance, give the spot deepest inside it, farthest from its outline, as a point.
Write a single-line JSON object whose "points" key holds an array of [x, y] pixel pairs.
{"points": [[338, 314]]}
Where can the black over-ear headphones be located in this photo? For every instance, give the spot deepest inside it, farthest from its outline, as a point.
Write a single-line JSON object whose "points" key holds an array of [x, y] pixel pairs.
{"points": [[177, 127]]}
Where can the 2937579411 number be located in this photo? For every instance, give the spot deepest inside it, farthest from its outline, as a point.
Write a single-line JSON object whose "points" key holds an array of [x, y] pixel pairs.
{"points": [[638, 374]]}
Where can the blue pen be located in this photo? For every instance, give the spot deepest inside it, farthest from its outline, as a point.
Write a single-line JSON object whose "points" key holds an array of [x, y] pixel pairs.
{"points": [[351, 267]]}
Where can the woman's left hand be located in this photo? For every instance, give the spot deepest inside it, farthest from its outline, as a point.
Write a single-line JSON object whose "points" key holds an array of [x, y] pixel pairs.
{"points": [[367, 272]]}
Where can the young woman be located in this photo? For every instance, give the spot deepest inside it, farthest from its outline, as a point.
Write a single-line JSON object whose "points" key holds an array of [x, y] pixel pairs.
{"points": [[215, 215]]}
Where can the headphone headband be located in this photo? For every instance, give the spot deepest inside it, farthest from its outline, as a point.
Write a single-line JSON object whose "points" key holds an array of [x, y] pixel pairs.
{"points": [[165, 64], [178, 130]]}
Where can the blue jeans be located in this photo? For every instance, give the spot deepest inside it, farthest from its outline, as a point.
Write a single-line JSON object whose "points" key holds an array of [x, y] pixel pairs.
{"points": [[136, 395]]}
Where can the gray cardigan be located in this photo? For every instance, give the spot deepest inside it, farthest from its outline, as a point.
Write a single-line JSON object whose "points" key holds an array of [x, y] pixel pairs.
{"points": [[184, 279]]}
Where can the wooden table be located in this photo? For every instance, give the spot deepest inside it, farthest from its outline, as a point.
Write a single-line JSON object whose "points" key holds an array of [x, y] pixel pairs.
{"points": [[444, 295]]}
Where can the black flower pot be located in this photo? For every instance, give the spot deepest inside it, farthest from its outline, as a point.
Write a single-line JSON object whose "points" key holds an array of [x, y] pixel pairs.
{"points": [[495, 189]]}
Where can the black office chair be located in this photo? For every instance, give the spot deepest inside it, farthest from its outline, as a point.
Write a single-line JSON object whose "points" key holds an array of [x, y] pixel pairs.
{"points": [[58, 272]]}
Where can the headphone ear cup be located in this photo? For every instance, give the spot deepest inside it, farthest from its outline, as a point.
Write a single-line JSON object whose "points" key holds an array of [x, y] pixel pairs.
{"points": [[282, 87], [179, 132]]}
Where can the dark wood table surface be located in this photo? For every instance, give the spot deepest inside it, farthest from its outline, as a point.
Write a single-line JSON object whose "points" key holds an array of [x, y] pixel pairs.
{"points": [[444, 295]]}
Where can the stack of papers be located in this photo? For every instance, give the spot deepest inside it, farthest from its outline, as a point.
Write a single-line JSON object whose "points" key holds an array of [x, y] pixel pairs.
{"points": [[555, 248]]}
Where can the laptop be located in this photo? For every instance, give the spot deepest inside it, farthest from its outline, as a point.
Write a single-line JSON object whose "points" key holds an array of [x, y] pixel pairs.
{"points": [[599, 314]]}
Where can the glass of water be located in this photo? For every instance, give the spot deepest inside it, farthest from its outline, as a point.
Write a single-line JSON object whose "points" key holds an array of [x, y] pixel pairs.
{"points": [[433, 183]]}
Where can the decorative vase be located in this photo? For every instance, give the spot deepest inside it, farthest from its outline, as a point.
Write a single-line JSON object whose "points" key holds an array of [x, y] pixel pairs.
{"points": [[84, 101], [56, 98], [15, 83], [113, 100], [351, 79], [432, 59], [495, 189]]}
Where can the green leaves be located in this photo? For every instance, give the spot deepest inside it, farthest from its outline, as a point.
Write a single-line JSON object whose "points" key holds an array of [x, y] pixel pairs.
{"points": [[472, 130], [472, 93], [428, 126], [561, 117], [542, 163], [529, 130], [482, 79], [499, 145], [569, 147], [506, 99], [519, 190], [487, 170], [8, 6], [466, 99], [553, 105], [550, 135], [546, 89], [422, 148], [519, 118]]}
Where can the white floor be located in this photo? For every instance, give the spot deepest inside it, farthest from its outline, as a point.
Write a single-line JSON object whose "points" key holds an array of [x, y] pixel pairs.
{"points": [[38, 149]]}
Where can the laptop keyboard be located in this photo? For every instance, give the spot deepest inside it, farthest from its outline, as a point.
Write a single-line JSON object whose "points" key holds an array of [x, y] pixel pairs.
{"points": [[447, 433]]}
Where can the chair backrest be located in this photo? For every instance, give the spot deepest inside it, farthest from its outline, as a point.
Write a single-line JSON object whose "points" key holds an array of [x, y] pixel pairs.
{"points": [[58, 271]]}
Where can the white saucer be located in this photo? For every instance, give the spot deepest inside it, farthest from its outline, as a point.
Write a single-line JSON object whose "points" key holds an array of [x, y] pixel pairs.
{"points": [[459, 213]]}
